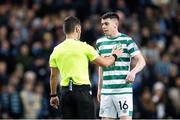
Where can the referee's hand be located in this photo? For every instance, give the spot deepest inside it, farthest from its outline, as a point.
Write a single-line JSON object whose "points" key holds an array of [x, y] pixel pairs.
{"points": [[54, 102], [118, 52]]}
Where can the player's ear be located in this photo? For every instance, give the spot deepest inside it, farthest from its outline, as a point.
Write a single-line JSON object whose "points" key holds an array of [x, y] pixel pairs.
{"points": [[117, 23]]}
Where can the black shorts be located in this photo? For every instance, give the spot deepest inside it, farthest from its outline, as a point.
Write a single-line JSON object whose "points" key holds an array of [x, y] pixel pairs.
{"points": [[78, 103]]}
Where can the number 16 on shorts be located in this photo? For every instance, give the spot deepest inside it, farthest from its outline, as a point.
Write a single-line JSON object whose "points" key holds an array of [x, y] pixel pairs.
{"points": [[123, 105]]}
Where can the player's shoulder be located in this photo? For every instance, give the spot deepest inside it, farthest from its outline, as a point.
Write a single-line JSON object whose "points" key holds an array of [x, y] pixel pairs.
{"points": [[125, 36], [101, 39]]}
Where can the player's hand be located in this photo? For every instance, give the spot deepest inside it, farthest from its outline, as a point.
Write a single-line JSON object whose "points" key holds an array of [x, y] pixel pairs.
{"points": [[54, 102], [99, 95], [130, 77], [118, 52]]}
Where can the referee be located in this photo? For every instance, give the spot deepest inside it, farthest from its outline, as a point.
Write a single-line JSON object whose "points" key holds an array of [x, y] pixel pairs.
{"points": [[70, 60]]}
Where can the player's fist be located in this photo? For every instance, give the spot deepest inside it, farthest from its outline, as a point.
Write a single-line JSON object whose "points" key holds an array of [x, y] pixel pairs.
{"points": [[130, 77]]}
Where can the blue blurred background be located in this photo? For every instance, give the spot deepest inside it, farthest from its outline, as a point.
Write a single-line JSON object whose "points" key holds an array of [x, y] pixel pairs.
{"points": [[29, 29]]}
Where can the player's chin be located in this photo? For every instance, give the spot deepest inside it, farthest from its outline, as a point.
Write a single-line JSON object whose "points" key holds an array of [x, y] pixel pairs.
{"points": [[106, 33]]}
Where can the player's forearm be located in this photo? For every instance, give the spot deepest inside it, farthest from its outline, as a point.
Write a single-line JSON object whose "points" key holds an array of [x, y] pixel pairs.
{"points": [[139, 65], [53, 85], [100, 78], [99, 84]]}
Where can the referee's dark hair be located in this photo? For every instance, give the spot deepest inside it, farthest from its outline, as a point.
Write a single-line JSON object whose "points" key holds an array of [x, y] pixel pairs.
{"points": [[110, 15], [69, 24]]}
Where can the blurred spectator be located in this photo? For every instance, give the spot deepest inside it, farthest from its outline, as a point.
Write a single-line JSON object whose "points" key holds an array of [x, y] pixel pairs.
{"points": [[36, 49], [146, 106], [121, 5], [3, 33], [29, 77], [39, 91], [160, 99], [176, 22], [88, 32], [11, 103], [31, 100], [19, 71], [163, 68], [48, 43], [160, 2], [122, 21], [39, 66], [46, 8], [15, 81], [145, 36], [134, 31], [104, 6], [93, 5], [149, 18], [23, 56], [174, 95], [151, 56], [3, 15], [174, 50], [3, 74], [173, 75], [158, 38]]}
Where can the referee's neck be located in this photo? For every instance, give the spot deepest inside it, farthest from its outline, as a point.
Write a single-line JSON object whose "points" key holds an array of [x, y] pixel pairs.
{"points": [[71, 36]]}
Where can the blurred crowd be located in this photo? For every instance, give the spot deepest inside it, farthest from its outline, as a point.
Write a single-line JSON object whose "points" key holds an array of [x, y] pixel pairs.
{"points": [[29, 29]]}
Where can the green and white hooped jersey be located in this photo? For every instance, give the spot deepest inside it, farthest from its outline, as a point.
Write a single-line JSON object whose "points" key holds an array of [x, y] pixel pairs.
{"points": [[114, 76]]}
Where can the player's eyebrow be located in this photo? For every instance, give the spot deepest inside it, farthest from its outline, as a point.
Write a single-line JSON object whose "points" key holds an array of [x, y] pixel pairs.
{"points": [[106, 23]]}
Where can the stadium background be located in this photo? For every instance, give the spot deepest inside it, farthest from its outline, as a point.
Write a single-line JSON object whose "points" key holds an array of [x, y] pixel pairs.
{"points": [[29, 29]]}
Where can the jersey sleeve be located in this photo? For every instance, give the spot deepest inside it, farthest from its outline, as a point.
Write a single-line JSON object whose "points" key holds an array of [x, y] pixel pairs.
{"points": [[91, 53], [52, 60], [132, 48]]}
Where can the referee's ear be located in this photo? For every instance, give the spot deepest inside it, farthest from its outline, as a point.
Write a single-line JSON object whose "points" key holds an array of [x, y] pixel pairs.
{"points": [[77, 29]]}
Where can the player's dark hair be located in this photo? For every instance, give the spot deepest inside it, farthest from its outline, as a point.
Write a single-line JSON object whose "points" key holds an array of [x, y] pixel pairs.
{"points": [[110, 15], [69, 24]]}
